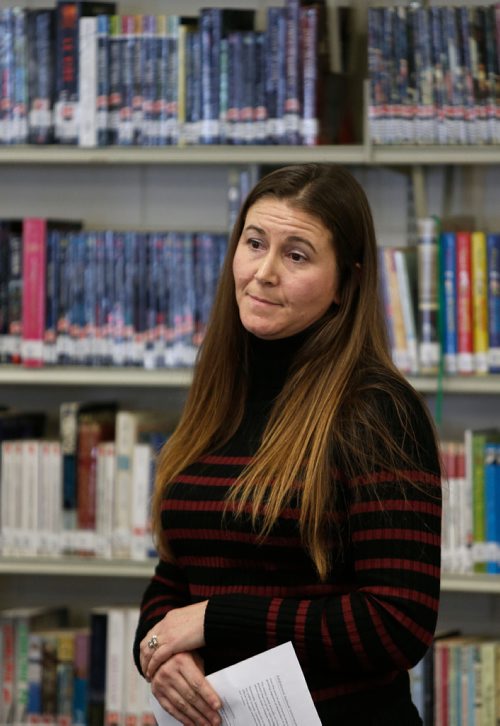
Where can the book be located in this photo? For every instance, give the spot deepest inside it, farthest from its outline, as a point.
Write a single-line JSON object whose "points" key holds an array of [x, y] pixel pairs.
{"points": [[479, 292], [493, 267], [67, 107], [87, 80], [465, 342], [448, 277], [492, 505], [41, 34], [428, 294]]}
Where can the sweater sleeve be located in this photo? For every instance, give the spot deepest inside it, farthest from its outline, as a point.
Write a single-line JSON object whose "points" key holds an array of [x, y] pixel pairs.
{"points": [[384, 615], [166, 591]]}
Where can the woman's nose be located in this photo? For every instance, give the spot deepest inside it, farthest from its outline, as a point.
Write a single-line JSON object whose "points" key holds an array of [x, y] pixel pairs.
{"points": [[266, 272]]}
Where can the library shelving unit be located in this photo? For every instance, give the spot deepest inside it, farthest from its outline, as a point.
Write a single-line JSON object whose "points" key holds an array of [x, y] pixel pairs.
{"points": [[186, 188]]}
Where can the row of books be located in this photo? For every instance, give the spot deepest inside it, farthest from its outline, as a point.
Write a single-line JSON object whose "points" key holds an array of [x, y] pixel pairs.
{"points": [[471, 502], [55, 672], [86, 492], [458, 681], [442, 298], [81, 74], [69, 296], [433, 74]]}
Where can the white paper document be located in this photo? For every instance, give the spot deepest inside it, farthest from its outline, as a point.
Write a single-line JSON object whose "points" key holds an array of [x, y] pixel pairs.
{"points": [[266, 690]]}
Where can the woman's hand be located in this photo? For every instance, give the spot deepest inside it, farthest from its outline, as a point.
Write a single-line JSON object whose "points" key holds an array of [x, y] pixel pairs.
{"points": [[180, 630], [181, 688]]}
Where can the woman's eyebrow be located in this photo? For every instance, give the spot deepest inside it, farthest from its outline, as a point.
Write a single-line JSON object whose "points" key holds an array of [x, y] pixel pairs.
{"points": [[291, 238]]}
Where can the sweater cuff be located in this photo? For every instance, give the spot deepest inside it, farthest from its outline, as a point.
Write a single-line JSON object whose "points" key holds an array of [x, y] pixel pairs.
{"points": [[245, 619]]}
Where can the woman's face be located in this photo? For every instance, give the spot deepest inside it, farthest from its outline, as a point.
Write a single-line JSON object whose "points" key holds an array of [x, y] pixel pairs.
{"points": [[284, 268]]}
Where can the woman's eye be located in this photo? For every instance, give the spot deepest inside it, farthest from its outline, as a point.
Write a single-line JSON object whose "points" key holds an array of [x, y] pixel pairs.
{"points": [[255, 243], [297, 257]]}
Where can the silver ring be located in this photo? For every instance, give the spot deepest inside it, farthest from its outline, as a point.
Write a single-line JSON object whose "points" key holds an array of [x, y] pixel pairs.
{"points": [[153, 642]]}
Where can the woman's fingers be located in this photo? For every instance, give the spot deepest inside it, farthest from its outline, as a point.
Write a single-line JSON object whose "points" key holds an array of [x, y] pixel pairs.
{"points": [[181, 685]]}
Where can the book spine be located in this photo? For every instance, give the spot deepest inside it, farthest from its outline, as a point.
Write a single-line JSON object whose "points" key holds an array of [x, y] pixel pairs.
{"points": [[115, 78], [126, 122], [149, 77], [161, 97], [479, 283], [65, 677], [173, 79], [400, 350], [40, 32], [7, 69], [63, 268], [428, 295], [103, 73], [140, 482], [34, 290], [89, 436], [115, 659], [465, 346], [210, 31], [309, 17], [21, 101], [137, 83], [407, 307], [51, 300], [464, 44], [492, 507], [449, 301], [66, 105], [34, 706], [89, 338], [81, 677], [248, 87], [125, 439], [439, 61], [140, 300], [260, 110], [275, 74], [293, 111], [105, 486], [235, 87], [87, 83], [15, 291], [493, 266]]}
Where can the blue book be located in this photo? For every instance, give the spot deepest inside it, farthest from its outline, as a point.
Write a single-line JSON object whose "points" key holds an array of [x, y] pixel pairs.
{"points": [[293, 93], [100, 300], [89, 242], [275, 71], [449, 300], [40, 30], [493, 266], [103, 80], [126, 118], [235, 88], [149, 81], [492, 503]]}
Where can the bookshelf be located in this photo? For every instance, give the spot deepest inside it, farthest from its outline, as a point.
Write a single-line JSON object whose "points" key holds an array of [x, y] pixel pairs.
{"points": [[186, 188]]}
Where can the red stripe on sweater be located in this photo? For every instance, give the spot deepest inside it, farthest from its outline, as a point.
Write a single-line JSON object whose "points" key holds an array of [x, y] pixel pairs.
{"points": [[423, 635], [353, 632], [226, 535], [422, 477], [402, 534], [183, 505], [300, 591], [235, 562], [272, 619], [327, 642], [226, 460], [395, 563], [300, 627], [394, 652], [398, 505], [216, 481], [403, 593], [324, 694]]}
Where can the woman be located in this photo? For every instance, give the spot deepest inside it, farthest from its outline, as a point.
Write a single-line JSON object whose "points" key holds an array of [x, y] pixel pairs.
{"points": [[299, 498]]}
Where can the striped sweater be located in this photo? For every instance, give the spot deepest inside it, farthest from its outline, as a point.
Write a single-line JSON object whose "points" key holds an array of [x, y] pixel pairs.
{"points": [[356, 634]]}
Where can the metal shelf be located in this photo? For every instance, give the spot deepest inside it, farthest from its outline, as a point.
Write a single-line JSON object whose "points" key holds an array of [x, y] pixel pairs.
{"points": [[182, 377], [88, 376], [228, 155], [458, 384], [75, 567], [87, 567]]}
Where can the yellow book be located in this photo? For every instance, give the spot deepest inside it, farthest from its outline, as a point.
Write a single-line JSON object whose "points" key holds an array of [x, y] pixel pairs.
{"points": [[479, 281]]}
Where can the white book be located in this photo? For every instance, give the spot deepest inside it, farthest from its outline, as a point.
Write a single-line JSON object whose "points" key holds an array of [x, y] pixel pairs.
{"points": [[105, 492], [116, 654], [28, 532], [10, 474], [141, 478], [408, 308], [125, 439], [133, 682], [87, 88]]}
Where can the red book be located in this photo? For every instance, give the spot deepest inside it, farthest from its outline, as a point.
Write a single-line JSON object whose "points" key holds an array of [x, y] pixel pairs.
{"points": [[34, 290], [465, 344]]}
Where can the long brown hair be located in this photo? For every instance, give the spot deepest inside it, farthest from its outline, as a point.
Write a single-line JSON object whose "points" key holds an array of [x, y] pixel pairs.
{"points": [[320, 409]]}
